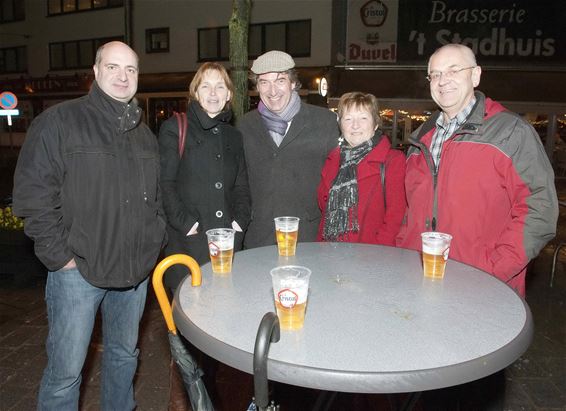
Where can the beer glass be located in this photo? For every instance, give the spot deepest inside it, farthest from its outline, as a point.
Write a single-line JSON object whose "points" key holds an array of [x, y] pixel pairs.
{"points": [[221, 249], [286, 233], [435, 253], [290, 291]]}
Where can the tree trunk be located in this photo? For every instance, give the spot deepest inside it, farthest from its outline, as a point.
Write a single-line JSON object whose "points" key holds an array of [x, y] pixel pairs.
{"points": [[239, 24], [128, 27]]}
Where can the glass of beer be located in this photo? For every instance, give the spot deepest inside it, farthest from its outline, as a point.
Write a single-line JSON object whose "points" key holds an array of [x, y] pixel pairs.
{"points": [[221, 249], [290, 291], [435, 253], [286, 233]]}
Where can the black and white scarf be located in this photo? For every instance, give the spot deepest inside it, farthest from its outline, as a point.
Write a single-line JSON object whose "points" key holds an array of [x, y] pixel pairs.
{"points": [[277, 123], [342, 208]]}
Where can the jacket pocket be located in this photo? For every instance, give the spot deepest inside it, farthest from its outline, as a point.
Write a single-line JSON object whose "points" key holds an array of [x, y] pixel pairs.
{"points": [[78, 241], [152, 240], [149, 165]]}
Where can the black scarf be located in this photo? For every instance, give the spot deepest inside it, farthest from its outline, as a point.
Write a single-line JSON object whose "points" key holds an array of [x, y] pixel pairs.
{"points": [[343, 195]]}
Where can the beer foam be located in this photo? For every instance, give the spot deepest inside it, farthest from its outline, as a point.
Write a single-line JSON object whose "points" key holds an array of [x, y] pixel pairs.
{"points": [[434, 249], [223, 244], [288, 228], [436, 243]]}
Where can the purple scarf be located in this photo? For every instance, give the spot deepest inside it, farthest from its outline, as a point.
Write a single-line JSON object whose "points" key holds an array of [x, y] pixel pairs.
{"points": [[277, 123]]}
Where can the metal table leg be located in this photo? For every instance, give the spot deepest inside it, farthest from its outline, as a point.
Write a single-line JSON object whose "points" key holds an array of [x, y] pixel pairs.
{"points": [[554, 258]]}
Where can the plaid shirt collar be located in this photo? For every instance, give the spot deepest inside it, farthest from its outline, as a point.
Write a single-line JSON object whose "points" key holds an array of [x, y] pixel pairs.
{"points": [[460, 117], [444, 130]]}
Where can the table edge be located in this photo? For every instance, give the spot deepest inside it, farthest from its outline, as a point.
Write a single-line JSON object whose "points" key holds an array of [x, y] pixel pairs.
{"points": [[361, 382]]}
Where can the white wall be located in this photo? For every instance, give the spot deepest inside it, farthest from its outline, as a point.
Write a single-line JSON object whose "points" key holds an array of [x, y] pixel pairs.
{"points": [[183, 17], [43, 30]]}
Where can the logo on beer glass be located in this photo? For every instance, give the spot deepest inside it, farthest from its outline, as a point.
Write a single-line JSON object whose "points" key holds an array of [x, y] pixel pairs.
{"points": [[213, 249], [287, 298]]}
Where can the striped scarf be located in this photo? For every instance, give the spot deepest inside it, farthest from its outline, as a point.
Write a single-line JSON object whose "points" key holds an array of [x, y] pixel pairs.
{"points": [[342, 208]]}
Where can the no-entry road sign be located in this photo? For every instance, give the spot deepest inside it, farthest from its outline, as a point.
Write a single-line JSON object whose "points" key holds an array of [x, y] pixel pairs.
{"points": [[8, 100]]}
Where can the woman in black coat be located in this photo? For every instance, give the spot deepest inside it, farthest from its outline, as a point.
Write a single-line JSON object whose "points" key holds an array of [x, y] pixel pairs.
{"points": [[206, 185]]}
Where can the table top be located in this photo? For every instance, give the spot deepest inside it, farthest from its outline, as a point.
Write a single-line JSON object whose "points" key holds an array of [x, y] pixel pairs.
{"points": [[373, 323]]}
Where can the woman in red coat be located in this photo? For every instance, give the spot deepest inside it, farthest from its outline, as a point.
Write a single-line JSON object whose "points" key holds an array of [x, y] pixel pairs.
{"points": [[362, 192]]}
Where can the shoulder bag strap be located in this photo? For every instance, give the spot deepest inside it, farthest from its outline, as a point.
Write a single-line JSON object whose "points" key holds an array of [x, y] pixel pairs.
{"points": [[182, 125]]}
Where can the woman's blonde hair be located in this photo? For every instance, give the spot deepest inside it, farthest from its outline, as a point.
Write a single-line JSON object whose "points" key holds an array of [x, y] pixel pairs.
{"points": [[199, 75], [361, 100]]}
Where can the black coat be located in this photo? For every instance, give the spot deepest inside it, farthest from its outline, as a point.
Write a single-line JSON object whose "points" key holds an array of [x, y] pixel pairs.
{"points": [[208, 185], [284, 179], [87, 183]]}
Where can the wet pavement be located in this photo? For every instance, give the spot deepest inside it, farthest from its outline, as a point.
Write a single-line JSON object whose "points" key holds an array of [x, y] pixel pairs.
{"points": [[535, 382]]}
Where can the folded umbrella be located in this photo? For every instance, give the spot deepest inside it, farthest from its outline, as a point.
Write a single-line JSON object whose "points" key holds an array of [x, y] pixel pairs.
{"points": [[188, 368]]}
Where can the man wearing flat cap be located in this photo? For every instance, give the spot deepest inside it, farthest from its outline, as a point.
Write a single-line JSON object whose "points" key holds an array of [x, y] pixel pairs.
{"points": [[286, 143]]}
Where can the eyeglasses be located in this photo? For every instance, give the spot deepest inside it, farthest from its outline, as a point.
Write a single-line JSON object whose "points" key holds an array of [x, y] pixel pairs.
{"points": [[436, 75]]}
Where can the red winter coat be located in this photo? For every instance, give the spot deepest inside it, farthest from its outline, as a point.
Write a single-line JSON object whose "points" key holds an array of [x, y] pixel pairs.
{"points": [[493, 192], [377, 225]]}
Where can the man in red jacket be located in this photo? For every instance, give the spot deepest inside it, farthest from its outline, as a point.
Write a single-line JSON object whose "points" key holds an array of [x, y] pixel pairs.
{"points": [[479, 173]]}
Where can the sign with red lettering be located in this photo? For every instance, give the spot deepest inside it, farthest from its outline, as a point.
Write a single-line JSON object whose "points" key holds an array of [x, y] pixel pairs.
{"points": [[508, 33], [372, 31]]}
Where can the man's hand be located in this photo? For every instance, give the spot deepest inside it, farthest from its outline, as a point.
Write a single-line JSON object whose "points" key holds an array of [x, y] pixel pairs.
{"points": [[70, 265]]}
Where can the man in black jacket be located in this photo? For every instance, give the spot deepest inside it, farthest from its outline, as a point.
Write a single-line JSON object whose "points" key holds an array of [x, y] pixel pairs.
{"points": [[87, 185]]}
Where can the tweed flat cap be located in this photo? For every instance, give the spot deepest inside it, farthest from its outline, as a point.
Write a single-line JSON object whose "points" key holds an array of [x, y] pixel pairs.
{"points": [[273, 61]]}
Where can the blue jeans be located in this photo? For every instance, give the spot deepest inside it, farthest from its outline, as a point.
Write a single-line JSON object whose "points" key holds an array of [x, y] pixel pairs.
{"points": [[72, 304]]}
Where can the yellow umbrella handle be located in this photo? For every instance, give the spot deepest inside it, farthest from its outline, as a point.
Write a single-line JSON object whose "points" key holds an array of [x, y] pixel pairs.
{"points": [[157, 282]]}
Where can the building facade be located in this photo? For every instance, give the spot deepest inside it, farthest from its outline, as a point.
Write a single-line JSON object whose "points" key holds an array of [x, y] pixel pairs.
{"points": [[379, 46]]}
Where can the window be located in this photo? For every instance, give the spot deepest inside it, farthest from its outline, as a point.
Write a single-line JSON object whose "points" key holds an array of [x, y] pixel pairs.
{"points": [[210, 44], [12, 10], [294, 37], [86, 52], [298, 36], [77, 54], [274, 37], [255, 43], [13, 60], [162, 108], [157, 40], [55, 7]]}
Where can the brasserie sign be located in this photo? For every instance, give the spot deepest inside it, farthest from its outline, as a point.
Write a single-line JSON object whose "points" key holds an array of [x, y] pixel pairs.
{"points": [[518, 32]]}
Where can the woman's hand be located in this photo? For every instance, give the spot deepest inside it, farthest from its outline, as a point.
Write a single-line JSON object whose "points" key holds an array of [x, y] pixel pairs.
{"points": [[193, 229]]}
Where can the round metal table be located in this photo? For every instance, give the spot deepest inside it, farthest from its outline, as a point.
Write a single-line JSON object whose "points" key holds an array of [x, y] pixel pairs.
{"points": [[373, 324]]}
